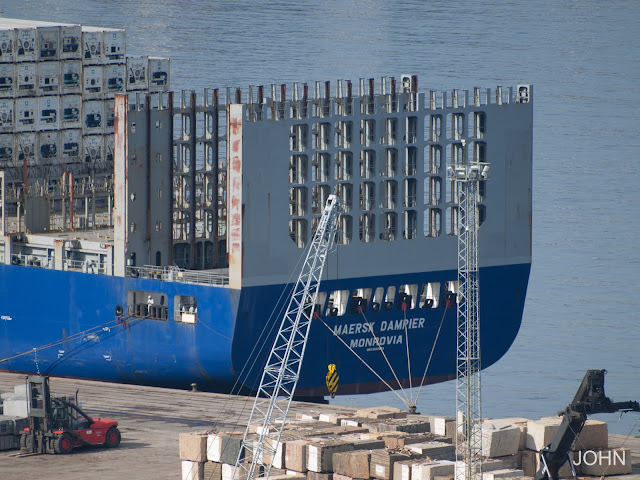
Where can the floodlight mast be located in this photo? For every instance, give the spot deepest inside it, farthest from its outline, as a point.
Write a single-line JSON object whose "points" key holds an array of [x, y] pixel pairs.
{"points": [[467, 178]]}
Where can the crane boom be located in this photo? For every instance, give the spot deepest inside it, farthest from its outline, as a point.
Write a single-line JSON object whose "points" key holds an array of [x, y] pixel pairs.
{"points": [[282, 370]]}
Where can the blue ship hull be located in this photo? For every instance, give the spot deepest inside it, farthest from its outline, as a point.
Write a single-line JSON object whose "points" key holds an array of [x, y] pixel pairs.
{"points": [[40, 307]]}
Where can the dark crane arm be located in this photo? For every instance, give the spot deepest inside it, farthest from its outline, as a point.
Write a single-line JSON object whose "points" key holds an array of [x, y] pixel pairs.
{"points": [[589, 399]]}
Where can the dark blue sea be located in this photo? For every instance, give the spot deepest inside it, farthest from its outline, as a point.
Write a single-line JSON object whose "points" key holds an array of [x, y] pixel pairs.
{"points": [[583, 58]]}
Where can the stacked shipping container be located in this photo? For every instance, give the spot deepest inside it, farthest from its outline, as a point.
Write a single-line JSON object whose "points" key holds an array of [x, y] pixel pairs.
{"points": [[57, 88]]}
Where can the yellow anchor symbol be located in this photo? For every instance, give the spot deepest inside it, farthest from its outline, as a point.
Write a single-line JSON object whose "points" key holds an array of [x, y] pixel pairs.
{"points": [[332, 380]]}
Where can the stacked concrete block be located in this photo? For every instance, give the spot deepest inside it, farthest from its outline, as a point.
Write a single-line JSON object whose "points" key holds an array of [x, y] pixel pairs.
{"points": [[443, 426], [212, 471], [334, 418], [320, 454], [540, 433], [296, 455], [604, 462], [193, 446], [593, 436], [506, 474], [353, 464], [401, 439], [381, 413], [406, 426], [382, 462], [430, 469], [192, 470], [223, 448], [319, 476], [402, 469], [500, 438], [434, 450], [521, 423]]}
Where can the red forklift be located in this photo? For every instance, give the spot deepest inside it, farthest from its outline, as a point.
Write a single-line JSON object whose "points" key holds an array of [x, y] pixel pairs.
{"points": [[57, 424]]}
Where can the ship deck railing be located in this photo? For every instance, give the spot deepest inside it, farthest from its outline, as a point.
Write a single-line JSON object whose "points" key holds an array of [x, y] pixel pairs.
{"points": [[218, 277], [49, 263]]}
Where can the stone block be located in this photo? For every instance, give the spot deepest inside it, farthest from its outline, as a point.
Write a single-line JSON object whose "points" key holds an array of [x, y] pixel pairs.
{"points": [[429, 469], [614, 461], [227, 471], [402, 440], [381, 413], [296, 455], [285, 476], [529, 462], [406, 426], [353, 464], [434, 450], [320, 454], [521, 423], [382, 462], [362, 443], [317, 476], [443, 426], [593, 436], [15, 406], [540, 433], [308, 417], [352, 421], [212, 471], [337, 476], [193, 447], [502, 474], [223, 448], [500, 438], [402, 469], [508, 462], [192, 470], [334, 418]]}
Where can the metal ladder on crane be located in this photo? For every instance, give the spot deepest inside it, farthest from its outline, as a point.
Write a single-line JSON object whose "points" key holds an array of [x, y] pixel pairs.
{"points": [[281, 373]]}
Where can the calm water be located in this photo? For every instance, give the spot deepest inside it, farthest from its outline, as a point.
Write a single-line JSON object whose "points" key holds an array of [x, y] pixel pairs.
{"points": [[583, 58]]}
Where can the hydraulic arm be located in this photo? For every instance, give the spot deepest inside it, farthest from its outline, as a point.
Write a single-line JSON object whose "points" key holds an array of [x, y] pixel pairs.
{"points": [[589, 399]]}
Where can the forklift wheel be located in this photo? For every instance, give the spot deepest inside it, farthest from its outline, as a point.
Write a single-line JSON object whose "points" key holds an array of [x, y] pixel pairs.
{"points": [[63, 443], [112, 438]]}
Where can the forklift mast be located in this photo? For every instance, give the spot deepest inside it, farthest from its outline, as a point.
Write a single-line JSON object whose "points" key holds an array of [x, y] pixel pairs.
{"points": [[39, 402], [589, 399]]}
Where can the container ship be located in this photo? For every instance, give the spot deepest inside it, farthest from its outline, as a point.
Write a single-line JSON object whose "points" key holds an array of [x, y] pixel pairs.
{"points": [[170, 262]]}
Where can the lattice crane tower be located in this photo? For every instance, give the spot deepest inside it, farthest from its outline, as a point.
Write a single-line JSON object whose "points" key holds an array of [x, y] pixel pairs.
{"points": [[282, 370], [467, 178]]}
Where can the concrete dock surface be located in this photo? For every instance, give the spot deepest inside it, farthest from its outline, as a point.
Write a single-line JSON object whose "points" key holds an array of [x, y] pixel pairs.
{"points": [[151, 420]]}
